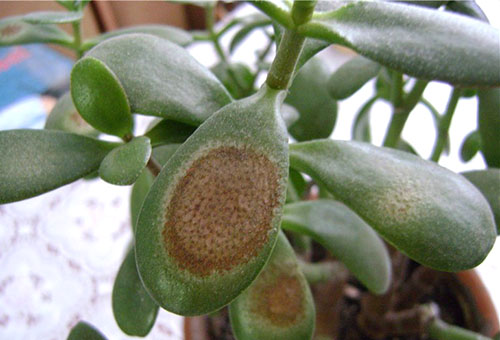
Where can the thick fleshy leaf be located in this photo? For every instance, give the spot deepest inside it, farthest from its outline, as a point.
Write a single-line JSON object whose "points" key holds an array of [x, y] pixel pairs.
{"points": [[308, 94], [346, 236], [211, 218], [174, 34], [37, 161], [237, 78], [166, 131], [85, 331], [351, 76], [170, 83], [65, 117], [488, 182], [279, 304], [489, 125], [134, 310], [415, 43], [470, 146], [469, 8], [52, 17], [123, 165], [99, 97], [16, 31], [431, 214], [163, 153], [361, 126]]}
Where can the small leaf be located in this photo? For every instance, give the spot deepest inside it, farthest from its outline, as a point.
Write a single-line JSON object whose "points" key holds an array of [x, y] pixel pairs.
{"points": [[346, 236], [415, 45], [351, 76], [139, 191], [171, 83], [431, 214], [237, 78], [211, 218], [361, 126], [100, 98], [37, 161], [488, 182], [15, 31], [489, 124], [248, 28], [65, 117], [470, 146], [134, 310], [166, 131], [308, 94], [173, 34], [123, 165], [296, 186], [53, 17], [85, 331], [278, 304]]}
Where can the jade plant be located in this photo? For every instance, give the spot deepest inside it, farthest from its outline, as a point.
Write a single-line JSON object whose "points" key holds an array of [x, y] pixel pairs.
{"points": [[233, 183]]}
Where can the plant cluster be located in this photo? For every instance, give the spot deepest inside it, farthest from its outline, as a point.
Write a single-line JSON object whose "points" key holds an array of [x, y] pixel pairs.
{"points": [[216, 183]]}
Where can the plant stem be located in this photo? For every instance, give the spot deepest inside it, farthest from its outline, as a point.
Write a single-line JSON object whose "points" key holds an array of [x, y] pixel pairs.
{"points": [[210, 19], [397, 89], [444, 124], [77, 42], [153, 166], [440, 330], [289, 50], [400, 115], [321, 271]]}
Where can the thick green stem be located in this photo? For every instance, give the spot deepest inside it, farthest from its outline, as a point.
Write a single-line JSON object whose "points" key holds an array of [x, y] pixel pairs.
{"points": [[440, 330], [399, 117], [302, 11], [444, 125], [77, 39], [321, 271], [286, 59], [397, 90]]}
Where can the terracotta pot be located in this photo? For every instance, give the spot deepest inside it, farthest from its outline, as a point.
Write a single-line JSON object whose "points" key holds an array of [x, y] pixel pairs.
{"points": [[481, 311]]}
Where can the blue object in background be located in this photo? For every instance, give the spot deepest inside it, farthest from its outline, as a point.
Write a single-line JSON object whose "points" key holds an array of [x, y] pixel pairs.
{"points": [[26, 72]]}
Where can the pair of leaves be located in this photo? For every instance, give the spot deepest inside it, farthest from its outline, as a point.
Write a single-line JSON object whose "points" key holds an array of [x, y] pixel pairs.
{"points": [[429, 213]]}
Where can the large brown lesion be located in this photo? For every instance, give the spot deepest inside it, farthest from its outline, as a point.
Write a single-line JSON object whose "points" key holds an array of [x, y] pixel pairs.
{"points": [[280, 300], [221, 212], [10, 30]]}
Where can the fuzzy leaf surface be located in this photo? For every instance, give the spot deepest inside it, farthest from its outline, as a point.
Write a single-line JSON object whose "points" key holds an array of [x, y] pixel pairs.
{"points": [[16, 31]]}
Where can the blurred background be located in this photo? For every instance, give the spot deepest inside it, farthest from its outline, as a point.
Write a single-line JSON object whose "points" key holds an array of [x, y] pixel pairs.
{"points": [[59, 253]]}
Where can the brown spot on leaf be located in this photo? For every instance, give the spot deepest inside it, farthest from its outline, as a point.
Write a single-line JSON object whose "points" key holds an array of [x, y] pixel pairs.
{"points": [[221, 211], [10, 30], [280, 301]]}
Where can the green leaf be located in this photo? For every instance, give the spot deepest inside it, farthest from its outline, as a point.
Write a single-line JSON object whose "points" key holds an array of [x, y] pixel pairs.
{"points": [[85, 331], [470, 146], [163, 153], [52, 17], [469, 8], [488, 182], [308, 94], [15, 31], [489, 124], [37, 161], [173, 34], [68, 4], [65, 117], [211, 218], [123, 165], [415, 45], [346, 236], [139, 191], [351, 76], [100, 98], [242, 34], [296, 186], [431, 214], [278, 304], [166, 131], [278, 10], [134, 310], [361, 126], [161, 79], [237, 78]]}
